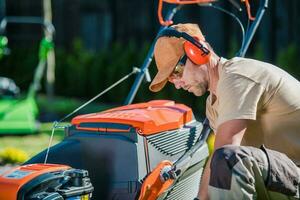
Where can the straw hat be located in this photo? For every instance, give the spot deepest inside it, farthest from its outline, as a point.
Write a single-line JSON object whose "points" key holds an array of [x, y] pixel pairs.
{"points": [[168, 51]]}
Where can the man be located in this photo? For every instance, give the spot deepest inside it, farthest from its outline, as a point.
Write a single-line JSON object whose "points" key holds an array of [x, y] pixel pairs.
{"points": [[251, 104]]}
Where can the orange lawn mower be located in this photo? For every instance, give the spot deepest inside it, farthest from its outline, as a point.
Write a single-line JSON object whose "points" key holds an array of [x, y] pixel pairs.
{"points": [[145, 151]]}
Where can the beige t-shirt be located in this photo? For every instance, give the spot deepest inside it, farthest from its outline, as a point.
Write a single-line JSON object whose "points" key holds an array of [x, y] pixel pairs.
{"points": [[267, 96]]}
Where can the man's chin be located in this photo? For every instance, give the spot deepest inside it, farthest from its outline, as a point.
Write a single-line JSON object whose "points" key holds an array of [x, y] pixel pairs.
{"points": [[198, 93]]}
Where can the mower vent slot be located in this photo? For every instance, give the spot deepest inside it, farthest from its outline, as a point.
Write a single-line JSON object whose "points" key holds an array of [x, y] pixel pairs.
{"points": [[176, 141], [185, 189]]}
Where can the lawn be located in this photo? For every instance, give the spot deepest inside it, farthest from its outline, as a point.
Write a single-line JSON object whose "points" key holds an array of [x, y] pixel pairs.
{"points": [[60, 107], [32, 144]]}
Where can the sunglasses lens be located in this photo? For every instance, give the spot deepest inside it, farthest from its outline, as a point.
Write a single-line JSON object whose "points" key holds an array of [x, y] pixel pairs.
{"points": [[178, 70]]}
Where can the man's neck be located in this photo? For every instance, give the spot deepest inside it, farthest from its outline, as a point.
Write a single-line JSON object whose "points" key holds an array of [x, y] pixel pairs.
{"points": [[213, 73]]}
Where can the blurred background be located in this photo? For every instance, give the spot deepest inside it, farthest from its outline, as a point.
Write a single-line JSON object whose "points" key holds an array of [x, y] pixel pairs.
{"points": [[98, 42]]}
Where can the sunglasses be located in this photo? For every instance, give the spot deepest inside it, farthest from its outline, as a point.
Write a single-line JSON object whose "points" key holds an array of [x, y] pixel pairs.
{"points": [[178, 70]]}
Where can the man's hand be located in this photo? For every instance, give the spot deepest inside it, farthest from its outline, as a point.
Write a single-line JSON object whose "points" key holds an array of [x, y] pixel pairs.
{"points": [[230, 132]]}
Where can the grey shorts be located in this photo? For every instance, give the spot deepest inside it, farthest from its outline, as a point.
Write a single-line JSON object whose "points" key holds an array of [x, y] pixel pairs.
{"points": [[242, 172]]}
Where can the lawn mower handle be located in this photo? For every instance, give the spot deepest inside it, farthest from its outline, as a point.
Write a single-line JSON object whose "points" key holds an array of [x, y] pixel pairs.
{"points": [[147, 61], [26, 20], [249, 34]]}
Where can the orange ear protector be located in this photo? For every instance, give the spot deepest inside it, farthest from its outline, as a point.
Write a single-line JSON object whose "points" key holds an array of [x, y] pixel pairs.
{"points": [[194, 49]]}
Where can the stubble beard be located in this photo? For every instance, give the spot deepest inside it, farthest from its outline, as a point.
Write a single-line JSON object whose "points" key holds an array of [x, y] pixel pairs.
{"points": [[200, 89]]}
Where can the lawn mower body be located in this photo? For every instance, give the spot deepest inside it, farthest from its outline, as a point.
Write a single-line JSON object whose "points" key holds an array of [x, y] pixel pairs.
{"points": [[121, 146], [45, 182]]}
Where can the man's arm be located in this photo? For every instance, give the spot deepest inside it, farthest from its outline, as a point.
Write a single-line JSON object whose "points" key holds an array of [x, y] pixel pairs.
{"points": [[230, 132]]}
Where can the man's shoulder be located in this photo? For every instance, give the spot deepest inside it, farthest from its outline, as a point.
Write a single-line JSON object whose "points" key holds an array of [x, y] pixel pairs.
{"points": [[252, 69], [240, 60], [245, 66]]}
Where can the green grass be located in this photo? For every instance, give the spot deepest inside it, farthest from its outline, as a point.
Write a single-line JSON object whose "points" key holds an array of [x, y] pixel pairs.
{"points": [[59, 106], [32, 144]]}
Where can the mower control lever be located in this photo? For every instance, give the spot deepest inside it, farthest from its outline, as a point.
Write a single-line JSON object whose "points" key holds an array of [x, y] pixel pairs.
{"points": [[147, 75], [248, 10], [143, 71], [178, 2], [168, 173]]}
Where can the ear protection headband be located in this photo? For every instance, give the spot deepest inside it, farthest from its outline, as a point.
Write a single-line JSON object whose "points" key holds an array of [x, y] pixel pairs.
{"points": [[194, 49]]}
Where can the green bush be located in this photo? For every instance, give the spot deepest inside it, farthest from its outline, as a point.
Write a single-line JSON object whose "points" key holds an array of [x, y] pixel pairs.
{"points": [[259, 52], [20, 65], [288, 59], [83, 74]]}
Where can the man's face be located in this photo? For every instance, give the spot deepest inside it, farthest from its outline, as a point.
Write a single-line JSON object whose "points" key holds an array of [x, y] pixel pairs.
{"points": [[192, 78]]}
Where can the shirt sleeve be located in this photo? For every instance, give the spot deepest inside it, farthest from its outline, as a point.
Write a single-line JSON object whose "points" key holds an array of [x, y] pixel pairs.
{"points": [[239, 98]]}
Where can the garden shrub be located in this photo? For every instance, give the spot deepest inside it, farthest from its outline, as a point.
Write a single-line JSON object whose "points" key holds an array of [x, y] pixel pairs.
{"points": [[11, 155], [83, 74], [288, 59]]}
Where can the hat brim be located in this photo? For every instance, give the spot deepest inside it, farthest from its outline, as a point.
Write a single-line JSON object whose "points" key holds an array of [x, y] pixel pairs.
{"points": [[160, 79], [167, 52]]}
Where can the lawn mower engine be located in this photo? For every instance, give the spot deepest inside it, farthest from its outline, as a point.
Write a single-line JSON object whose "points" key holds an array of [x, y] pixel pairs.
{"points": [[121, 146], [45, 182]]}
